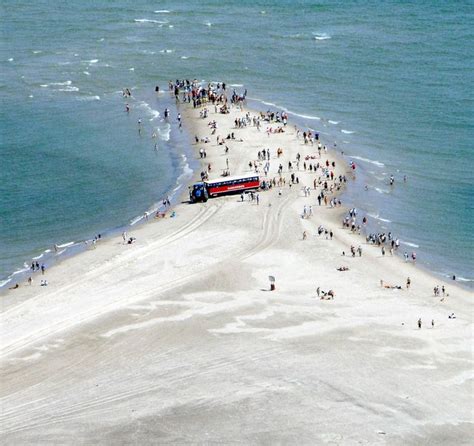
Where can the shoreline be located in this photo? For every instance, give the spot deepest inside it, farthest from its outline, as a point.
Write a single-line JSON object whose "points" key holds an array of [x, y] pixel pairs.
{"points": [[71, 249], [116, 232]]}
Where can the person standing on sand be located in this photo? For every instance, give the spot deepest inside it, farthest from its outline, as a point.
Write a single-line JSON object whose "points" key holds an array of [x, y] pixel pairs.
{"points": [[419, 322], [408, 283], [359, 250]]}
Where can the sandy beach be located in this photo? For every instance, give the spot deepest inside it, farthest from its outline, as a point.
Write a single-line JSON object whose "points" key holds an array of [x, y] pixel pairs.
{"points": [[178, 339]]}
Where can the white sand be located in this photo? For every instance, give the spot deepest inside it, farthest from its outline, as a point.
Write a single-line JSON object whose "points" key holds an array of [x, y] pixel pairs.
{"points": [[176, 339]]}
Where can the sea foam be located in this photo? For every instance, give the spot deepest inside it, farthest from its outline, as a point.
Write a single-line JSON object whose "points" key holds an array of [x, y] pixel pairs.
{"points": [[367, 160], [89, 98], [68, 89], [377, 217], [65, 245], [413, 245], [151, 111], [164, 133], [150, 21], [321, 36]]}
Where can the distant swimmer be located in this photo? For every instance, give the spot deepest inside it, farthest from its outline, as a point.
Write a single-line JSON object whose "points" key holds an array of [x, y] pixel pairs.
{"points": [[392, 180], [167, 113], [127, 108]]}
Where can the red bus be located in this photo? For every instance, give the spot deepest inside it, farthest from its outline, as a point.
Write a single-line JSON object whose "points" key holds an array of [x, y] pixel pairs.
{"points": [[228, 185]]}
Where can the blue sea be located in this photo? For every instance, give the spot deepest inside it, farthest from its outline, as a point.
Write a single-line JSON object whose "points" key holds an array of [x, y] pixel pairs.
{"points": [[389, 83]]}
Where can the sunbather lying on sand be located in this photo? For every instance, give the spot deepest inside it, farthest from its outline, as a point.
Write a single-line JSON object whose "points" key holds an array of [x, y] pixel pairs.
{"points": [[391, 287]]}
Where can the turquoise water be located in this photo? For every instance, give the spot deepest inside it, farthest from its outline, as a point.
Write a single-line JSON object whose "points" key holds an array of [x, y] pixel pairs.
{"points": [[389, 82]]}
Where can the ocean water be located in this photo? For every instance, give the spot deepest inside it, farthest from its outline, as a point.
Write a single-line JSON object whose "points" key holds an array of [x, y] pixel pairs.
{"points": [[390, 83]]}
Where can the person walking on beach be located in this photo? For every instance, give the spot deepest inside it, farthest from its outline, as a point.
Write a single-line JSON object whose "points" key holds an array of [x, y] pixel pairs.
{"points": [[124, 237], [419, 322], [43, 269], [359, 250], [408, 283]]}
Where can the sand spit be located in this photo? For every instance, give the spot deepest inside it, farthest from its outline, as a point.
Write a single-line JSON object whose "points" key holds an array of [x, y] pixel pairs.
{"points": [[177, 338]]}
